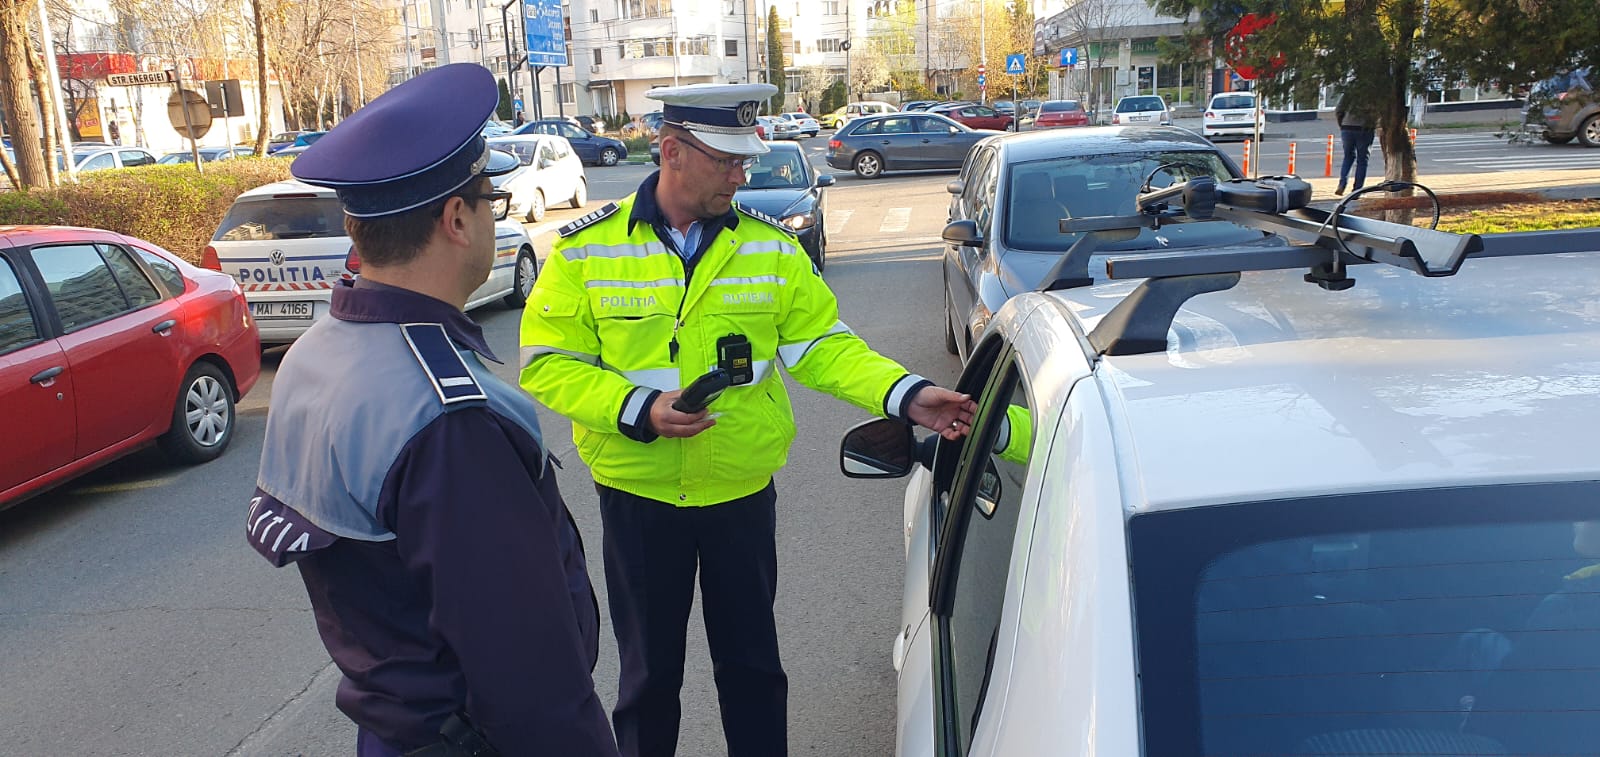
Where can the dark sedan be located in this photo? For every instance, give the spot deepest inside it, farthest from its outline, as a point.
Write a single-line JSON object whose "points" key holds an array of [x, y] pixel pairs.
{"points": [[591, 148], [1005, 235], [901, 142], [783, 185]]}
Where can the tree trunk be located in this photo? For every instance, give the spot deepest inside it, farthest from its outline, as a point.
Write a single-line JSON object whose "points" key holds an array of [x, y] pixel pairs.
{"points": [[11, 169], [47, 115], [264, 130], [14, 94], [1399, 156]]}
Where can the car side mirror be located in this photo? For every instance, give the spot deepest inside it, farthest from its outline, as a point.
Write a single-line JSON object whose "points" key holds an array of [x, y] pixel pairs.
{"points": [[825, 180], [964, 233], [882, 448], [956, 186]]}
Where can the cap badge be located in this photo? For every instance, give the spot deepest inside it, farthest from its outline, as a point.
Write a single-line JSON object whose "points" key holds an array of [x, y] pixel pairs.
{"points": [[747, 112], [477, 165]]}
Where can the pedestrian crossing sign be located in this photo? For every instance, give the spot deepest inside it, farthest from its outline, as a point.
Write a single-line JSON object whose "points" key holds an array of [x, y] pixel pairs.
{"points": [[1014, 64]]}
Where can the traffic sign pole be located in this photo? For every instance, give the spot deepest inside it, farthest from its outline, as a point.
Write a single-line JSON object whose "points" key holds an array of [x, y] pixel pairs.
{"points": [[188, 127]]}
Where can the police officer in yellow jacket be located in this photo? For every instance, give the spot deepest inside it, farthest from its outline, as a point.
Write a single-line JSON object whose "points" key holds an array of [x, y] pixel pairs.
{"points": [[636, 301]]}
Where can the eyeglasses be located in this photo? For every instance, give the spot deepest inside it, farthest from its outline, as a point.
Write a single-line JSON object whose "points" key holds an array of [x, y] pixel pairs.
{"points": [[723, 164], [499, 202]]}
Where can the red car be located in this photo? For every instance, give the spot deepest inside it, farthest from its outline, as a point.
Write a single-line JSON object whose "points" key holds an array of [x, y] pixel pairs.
{"points": [[109, 343], [975, 116], [1058, 113]]}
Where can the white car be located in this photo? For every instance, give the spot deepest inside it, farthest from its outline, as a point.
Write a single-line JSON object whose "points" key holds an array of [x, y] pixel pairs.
{"points": [[1233, 114], [551, 172], [778, 127], [286, 246], [1148, 110], [808, 125], [1220, 513]]}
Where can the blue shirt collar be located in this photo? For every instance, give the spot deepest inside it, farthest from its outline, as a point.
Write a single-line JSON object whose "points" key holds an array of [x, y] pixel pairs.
{"points": [[645, 209], [366, 301]]}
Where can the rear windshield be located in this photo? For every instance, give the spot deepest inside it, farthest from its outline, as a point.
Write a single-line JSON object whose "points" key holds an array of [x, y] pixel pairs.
{"points": [[282, 218], [1040, 193], [1458, 621], [1060, 106], [1139, 104], [1233, 102]]}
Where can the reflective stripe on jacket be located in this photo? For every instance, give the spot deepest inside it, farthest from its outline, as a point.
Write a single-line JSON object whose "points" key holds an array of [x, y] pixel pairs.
{"points": [[597, 335]]}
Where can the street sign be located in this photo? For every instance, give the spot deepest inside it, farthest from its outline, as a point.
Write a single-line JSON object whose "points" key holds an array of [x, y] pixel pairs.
{"points": [[199, 117], [546, 32], [1014, 64], [1069, 57], [225, 98], [137, 79], [982, 80], [516, 105], [982, 70]]}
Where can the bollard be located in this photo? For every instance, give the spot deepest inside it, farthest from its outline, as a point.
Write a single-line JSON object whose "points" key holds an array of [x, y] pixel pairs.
{"points": [[1247, 158], [1413, 132], [1327, 165], [1291, 159]]}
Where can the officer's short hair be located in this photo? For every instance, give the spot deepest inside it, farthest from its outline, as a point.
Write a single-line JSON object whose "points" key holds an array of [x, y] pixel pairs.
{"points": [[397, 239]]}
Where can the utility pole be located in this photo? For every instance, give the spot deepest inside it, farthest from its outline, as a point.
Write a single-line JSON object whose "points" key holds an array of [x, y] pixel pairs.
{"points": [[849, 82], [983, 49], [64, 134], [927, 45], [361, 84]]}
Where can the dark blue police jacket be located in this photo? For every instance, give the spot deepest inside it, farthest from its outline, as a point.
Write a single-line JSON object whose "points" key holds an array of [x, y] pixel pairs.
{"points": [[410, 486]]}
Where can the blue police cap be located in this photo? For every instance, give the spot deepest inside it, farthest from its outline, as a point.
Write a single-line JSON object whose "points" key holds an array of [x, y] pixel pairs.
{"points": [[413, 145], [721, 115]]}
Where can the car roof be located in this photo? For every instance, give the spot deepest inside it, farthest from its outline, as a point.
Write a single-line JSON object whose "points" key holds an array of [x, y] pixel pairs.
{"points": [[286, 187], [1276, 388], [1097, 140], [788, 146]]}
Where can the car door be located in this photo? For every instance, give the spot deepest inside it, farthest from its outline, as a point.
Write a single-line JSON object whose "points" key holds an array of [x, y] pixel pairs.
{"points": [[941, 142], [36, 397], [559, 180], [964, 267], [899, 144], [119, 337], [584, 143]]}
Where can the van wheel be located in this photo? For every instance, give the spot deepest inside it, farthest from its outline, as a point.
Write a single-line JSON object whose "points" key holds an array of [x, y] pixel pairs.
{"points": [[869, 165], [1589, 133], [580, 196], [202, 416], [536, 207], [522, 279]]}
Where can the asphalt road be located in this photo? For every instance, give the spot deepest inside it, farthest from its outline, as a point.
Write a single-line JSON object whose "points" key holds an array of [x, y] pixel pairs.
{"points": [[137, 621]]}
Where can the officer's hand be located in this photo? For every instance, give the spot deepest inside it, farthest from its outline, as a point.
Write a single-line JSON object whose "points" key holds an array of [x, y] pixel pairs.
{"points": [[675, 424], [939, 409]]}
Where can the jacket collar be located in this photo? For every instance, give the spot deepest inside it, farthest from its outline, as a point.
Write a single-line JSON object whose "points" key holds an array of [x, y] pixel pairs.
{"points": [[366, 301], [645, 209]]}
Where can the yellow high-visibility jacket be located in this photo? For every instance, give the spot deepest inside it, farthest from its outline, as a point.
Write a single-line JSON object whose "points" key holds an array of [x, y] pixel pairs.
{"points": [[611, 323]]}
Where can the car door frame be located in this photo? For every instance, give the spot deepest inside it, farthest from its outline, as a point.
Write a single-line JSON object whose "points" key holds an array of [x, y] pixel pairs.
{"points": [[964, 264], [52, 452]]}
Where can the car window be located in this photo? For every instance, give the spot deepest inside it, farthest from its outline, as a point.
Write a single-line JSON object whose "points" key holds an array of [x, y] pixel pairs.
{"points": [[80, 283], [984, 510], [572, 132], [561, 148], [870, 127], [925, 125], [282, 218], [1466, 618], [547, 154], [896, 125], [984, 112], [981, 206], [778, 169], [546, 129], [973, 183], [1233, 102], [99, 162], [17, 325], [165, 271], [135, 285], [136, 158], [523, 149]]}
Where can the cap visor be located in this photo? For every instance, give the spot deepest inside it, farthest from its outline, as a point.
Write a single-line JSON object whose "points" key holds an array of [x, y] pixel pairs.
{"points": [[733, 144], [500, 162]]}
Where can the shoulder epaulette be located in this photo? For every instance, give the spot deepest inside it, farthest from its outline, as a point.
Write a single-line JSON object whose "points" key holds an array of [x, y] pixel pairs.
{"points": [[588, 220], [446, 370], [760, 216]]}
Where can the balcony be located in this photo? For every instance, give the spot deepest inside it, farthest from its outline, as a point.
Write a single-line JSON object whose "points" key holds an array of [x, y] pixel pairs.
{"points": [[658, 68]]}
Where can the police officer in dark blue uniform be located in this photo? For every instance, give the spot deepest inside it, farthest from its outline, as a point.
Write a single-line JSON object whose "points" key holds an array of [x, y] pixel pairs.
{"points": [[407, 482]]}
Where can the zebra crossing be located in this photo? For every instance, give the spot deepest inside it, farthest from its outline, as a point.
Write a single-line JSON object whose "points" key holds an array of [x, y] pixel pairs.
{"points": [[898, 222], [1483, 151]]}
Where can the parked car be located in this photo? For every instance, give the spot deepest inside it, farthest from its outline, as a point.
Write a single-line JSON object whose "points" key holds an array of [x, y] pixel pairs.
{"points": [[550, 173], [916, 105], [1233, 113], [777, 127], [207, 155], [281, 140], [592, 148], [290, 152], [286, 246], [901, 142], [299, 139], [1562, 107], [1005, 106], [1141, 110], [783, 185], [492, 128], [977, 116], [1015, 189], [832, 120], [1055, 114], [808, 126], [107, 344], [92, 158]]}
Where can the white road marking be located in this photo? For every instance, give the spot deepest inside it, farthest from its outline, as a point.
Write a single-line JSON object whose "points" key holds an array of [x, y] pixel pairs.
{"points": [[895, 221], [838, 218]]}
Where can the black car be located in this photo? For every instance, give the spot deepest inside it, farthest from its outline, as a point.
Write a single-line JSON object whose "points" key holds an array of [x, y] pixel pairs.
{"points": [[783, 185], [591, 148], [901, 142]]}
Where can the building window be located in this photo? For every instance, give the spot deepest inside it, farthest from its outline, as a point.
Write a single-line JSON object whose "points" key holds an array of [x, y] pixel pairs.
{"points": [[830, 7], [597, 59], [730, 48], [594, 15], [644, 8], [797, 47], [828, 45], [569, 93]]}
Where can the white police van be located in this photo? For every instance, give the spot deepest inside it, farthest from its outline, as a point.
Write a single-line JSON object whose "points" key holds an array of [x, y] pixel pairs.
{"points": [[286, 246], [1265, 502]]}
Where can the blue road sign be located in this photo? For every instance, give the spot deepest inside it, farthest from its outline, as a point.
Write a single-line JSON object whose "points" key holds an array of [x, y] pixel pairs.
{"points": [[516, 104], [1014, 64], [982, 79], [547, 39], [1069, 56]]}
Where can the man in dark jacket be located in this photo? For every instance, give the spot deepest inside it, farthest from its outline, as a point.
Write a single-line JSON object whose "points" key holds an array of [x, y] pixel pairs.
{"points": [[1357, 126]]}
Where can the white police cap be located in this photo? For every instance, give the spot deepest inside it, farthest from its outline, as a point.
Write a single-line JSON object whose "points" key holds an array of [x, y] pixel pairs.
{"points": [[723, 116]]}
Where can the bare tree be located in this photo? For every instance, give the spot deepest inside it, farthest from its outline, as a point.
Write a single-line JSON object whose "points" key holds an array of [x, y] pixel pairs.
{"points": [[952, 47], [869, 69], [1095, 26], [47, 112], [264, 126], [814, 80], [15, 98]]}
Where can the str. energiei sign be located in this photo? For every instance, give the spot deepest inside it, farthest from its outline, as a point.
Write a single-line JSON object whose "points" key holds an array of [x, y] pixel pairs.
{"points": [[140, 78]]}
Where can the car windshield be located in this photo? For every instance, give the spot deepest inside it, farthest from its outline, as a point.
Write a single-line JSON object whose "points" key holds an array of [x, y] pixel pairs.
{"points": [[1060, 106], [778, 169], [1139, 104], [1464, 619], [1233, 102], [1040, 193], [525, 151], [270, 218]]}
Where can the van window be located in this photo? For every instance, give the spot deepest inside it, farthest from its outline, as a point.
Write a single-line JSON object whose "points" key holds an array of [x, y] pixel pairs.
{"points": [[271, 218]]}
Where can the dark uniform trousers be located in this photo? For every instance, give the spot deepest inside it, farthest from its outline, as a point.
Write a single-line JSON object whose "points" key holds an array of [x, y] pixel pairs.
{"points": [[652, 550]]}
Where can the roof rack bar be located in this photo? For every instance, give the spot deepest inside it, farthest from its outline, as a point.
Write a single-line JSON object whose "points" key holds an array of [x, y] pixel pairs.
{"points": [[1139, 323], [1539, 242], [1072, 270], [1215, 260], [1423, 251], [1108, 223]]}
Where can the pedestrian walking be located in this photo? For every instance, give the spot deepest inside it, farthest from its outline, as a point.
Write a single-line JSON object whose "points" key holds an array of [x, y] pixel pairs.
{"points": [[1358, 124], [408, 483], [115, 132], [636, 301]]}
